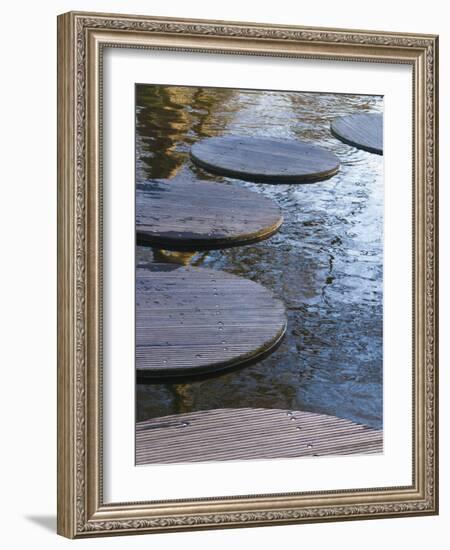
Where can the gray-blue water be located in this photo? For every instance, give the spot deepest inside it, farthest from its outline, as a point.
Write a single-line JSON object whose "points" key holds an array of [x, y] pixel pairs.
{"points": [[326, 263]]}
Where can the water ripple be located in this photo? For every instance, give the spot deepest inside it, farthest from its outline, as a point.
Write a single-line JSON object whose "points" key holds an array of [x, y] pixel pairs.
{"points": [[326, 263]]}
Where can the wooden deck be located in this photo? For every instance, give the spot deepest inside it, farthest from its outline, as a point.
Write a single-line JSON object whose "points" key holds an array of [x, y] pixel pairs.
{"points": [[264, 159], [196, 321], [248, 434], [191, 216], [362, 130]]}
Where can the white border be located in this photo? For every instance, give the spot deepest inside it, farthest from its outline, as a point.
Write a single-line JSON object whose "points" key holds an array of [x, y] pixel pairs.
{"points": [[123, 482]]}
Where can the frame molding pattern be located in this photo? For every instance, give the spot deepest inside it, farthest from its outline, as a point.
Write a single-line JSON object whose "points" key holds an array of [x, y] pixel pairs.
{"points": [[74, 519]]}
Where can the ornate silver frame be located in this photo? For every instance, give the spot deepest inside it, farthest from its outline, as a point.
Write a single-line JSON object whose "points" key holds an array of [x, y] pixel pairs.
{"points": [[81, 37]]}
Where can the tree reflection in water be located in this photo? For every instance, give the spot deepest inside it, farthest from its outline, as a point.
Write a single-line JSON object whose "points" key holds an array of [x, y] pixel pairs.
{"points": [[326, 263]]}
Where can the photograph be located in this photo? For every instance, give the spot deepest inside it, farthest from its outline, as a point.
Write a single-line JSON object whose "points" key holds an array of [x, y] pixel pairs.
{"points": [[247, 274], [224, 332], [258, 274]]}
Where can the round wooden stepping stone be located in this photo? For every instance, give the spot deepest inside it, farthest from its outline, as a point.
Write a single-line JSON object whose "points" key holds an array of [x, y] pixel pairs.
{"points": [[249, 434], [196, 321], [363, 130], [200, 215], [264, 159]]}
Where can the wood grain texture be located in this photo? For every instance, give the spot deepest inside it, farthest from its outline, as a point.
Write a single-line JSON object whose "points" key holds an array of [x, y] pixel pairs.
{"points": [[246, 434], [263, 159], [80, 268], [184, 215], [196, 321], [362, 130]]}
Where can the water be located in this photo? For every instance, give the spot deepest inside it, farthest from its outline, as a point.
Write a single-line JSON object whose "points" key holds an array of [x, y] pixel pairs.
{"points": [[326, 263]]}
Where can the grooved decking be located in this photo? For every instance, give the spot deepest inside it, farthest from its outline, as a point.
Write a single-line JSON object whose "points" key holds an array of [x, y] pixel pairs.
{"points": [[191, 216], [196, 321], [362, 130], [263, 159], [246, 434]]}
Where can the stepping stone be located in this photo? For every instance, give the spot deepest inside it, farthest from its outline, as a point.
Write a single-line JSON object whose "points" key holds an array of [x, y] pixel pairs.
{"points": [[249, 434], [363, 130], [196, 321], [264, 159], [200, 215]]}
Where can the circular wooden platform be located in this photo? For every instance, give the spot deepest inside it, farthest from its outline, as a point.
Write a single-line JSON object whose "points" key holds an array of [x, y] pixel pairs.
{"points": [[249, 434], [200, 215], [264, 159], [196, 321], [362, 130]]}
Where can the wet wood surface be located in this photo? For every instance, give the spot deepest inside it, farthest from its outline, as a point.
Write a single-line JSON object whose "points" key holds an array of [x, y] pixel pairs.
{"points": [[183, 216], [362, 130], [245, 434], [264, 159], [196, 321]]}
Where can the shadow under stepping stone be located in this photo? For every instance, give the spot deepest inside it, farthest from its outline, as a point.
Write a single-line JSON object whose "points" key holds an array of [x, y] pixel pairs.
{"points": [[362, 130], [246, 434], [201, 215], [263, 159], [196, 321]]}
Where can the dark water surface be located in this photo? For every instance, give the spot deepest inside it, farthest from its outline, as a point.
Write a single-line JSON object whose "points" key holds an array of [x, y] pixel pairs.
{"points": [[326, 263]]}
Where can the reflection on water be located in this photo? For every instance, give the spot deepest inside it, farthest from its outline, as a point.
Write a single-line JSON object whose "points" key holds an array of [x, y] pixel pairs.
{"points": [[326, 263]]}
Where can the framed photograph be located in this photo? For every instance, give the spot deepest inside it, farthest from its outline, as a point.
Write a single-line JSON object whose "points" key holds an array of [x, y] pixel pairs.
{"points": [[247, 288]]}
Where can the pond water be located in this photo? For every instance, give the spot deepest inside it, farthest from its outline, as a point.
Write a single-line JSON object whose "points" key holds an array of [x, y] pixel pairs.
{"points": [[326, 262]]}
